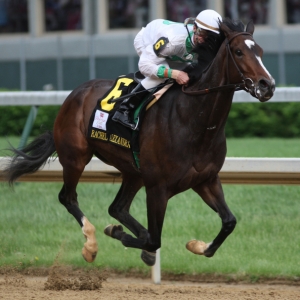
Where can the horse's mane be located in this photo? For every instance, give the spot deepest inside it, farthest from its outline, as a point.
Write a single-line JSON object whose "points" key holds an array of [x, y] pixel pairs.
{"points": [[234, 25], [207, 51]]}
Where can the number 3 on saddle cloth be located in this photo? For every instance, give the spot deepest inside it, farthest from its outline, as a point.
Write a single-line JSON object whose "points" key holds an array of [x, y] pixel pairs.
{"points": [[102, 127]]}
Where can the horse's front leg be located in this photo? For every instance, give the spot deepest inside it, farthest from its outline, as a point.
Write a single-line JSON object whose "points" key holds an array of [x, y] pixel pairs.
{"points": [[119, 209], [212, 193], [147, 240]]}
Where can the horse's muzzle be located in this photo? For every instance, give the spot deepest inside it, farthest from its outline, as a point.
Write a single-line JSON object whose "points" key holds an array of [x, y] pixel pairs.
{"points": [[264, 89]]}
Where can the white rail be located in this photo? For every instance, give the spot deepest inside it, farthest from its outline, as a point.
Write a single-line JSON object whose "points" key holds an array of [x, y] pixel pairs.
{"points": [[236, 170], [39, 98]]}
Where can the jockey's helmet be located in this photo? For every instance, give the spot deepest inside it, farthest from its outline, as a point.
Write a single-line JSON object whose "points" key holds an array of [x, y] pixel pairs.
{"points": [[208, 19]]}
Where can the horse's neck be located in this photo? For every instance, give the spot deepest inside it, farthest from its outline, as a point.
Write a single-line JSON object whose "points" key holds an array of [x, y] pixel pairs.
{"points": [[216, 75], [213, 108]]}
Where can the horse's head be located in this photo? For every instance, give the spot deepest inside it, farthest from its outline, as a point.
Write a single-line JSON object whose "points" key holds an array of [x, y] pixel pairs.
{"points": [[244, 60]]}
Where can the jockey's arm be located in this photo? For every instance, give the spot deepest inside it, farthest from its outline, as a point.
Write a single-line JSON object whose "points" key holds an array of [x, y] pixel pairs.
{"points": [[180, 76], [152, 65]]}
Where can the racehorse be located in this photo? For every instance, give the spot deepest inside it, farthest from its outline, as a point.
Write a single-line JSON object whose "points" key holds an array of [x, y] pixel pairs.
{"points": [[182, 146]]}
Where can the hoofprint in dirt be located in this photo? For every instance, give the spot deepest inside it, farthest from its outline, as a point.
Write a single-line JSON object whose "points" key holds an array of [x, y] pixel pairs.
{"points": [[59, 284]]}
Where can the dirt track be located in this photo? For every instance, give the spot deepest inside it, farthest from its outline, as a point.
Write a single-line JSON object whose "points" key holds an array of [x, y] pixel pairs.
{"points": [[61, 285]]}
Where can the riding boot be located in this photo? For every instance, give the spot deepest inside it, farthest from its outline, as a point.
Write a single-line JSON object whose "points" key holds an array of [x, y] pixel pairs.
{"points": [[122, 115]]}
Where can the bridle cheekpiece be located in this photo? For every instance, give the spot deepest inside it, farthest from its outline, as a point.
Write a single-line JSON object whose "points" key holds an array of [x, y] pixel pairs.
{"points": [[237, 86]]}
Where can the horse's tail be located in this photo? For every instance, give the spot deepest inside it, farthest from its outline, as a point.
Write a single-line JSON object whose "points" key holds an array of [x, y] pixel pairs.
{"points": [[29, 159]]}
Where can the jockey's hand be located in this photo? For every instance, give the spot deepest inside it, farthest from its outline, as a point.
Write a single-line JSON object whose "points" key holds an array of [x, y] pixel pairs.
{"points": [[180, 77]]}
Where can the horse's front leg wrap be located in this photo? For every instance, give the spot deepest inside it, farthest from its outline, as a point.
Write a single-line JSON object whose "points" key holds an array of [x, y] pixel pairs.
{"points": [[197, 247], [148, 258], [90, 249], [114, 231]]}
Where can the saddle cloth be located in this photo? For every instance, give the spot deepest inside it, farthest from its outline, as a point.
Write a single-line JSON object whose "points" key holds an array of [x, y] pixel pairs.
{"points": [[103, 128]]}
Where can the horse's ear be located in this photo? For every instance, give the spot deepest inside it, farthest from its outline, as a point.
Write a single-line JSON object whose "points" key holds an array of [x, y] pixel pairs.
{"points": [[250, 27], [225, 29]]}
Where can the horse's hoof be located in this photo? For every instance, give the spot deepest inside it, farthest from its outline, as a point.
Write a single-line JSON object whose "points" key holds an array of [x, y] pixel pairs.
{"points": [[148, 258], [109, 229], [88, 255], [197, 247]]}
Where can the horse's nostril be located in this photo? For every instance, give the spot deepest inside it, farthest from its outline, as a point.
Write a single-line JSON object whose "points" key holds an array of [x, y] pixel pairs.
{"points": [[263, 84]]}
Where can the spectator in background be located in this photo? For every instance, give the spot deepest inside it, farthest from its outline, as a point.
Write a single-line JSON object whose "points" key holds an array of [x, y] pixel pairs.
{"points": [[63, 15], [17, 10], [128, 13], [178, 10], [256, 10], [3, 15], [13, 16], [293, 11]]}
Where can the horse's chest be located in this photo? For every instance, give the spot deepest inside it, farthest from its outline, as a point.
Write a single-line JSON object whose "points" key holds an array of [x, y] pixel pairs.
{"points": [[207, 167], [197, 174]]}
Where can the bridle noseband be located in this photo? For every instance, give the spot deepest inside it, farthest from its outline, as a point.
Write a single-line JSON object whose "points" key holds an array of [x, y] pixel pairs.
{"points": [[236, 86]]}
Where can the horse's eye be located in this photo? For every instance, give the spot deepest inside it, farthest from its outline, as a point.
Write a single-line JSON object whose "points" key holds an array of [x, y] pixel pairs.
{"points": [[238, 52]]}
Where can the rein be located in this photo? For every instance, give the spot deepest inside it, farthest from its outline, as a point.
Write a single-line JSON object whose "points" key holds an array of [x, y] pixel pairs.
{"points": [[236, 86]]}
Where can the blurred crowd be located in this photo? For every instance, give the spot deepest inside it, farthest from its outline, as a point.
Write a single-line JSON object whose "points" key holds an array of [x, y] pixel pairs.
{"points": [[13, 16], [245, 10], [63, 15], [128, 13], [293, 11], [179, 10], [59, 15]]}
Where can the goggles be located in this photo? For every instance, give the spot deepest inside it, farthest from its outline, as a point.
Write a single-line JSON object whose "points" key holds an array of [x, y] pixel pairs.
{"points": [[199, 31], [192, 21]]}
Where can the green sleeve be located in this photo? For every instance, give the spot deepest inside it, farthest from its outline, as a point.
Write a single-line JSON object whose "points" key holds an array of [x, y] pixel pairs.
{"points": [[161, 70]]}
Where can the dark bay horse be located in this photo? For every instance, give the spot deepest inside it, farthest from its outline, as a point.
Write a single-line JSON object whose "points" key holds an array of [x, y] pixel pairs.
{"points": [[182, 146]]}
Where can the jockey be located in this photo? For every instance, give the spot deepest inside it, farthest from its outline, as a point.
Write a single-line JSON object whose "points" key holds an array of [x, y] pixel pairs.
{"points": [[159, 44]]}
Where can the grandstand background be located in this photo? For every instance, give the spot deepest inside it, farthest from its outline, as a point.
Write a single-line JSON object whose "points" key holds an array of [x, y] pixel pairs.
{"points": [[58, 44]]}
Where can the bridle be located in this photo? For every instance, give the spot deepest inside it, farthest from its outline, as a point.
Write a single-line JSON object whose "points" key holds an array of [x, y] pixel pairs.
{"points": [[235, 86]]}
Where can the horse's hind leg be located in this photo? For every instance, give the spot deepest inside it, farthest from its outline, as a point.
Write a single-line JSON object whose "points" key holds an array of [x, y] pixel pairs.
{"points": [[68, 197], [74, 156], [212, 194]]}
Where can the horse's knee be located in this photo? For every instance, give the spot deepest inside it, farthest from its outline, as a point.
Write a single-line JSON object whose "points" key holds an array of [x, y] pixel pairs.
{"points": [[229, 226], [116, 212], [113, 211], [61, 198]]}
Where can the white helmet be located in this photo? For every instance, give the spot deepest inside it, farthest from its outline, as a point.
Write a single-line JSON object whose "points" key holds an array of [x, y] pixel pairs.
{"points": [[208, 19]]}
